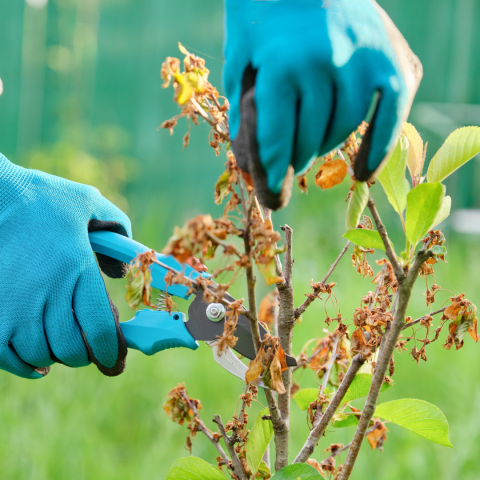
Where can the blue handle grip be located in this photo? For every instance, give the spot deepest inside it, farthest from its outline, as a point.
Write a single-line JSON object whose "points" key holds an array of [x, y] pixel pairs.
{"points": [[151, 331], [125, 249]]}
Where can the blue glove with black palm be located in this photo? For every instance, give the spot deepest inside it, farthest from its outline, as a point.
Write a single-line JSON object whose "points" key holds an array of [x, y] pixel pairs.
{"points": [[54, 306], [301, 75]]}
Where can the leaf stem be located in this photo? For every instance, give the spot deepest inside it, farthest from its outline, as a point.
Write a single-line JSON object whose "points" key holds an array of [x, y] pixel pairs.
{"points": [[301, 309]]}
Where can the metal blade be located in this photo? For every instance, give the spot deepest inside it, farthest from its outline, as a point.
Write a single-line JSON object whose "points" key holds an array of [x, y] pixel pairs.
{"points": [[230, 362], [201, 328]]}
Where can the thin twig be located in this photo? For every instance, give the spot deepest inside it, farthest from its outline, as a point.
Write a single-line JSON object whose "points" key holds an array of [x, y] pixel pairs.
{"points": [[201, 426], [299, 311], [279, 425], [236, 464], [392, 256], [418, 320], [286, 322], [309, 359], [215, 239], [319, 429], [251, 280], [379, 286], [346, 447], [211, 122], [326, 376]]}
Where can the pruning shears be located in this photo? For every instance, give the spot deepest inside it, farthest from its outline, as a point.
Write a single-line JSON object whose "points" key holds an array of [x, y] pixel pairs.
{"points": [[152, 331]]}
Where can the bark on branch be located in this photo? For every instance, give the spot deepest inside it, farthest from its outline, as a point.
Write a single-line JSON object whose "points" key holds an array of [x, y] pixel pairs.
{"points": [[286, 322], [236, 464], [392, 256]]}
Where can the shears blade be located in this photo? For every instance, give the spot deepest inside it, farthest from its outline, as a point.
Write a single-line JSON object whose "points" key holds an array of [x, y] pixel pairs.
{"points": [[231, 363]]}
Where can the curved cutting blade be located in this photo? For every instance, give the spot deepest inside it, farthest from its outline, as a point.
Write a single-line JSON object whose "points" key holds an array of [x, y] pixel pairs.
{"points": [[229, 361]]}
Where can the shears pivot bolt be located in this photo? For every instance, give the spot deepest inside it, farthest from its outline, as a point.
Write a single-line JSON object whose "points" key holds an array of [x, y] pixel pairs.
{"points": [[215, 312]]}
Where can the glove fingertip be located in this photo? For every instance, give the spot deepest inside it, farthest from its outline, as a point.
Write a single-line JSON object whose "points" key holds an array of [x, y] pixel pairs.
{"points": [[121, 361]]}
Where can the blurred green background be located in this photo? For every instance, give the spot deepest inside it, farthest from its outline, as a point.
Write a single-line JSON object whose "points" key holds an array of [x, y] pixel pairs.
{"points": [[82, 99]]}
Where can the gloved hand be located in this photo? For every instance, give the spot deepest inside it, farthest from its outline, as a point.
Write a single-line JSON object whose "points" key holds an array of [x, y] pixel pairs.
{"points": [[300, 76], [53, 303]]}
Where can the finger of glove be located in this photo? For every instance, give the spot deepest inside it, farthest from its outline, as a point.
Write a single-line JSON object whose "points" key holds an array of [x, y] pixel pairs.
{"points": [[106, 216], [63, 332], [384, 127], [98, 320], [30, 344], [276, 103], [12, 363], [315, 111]]}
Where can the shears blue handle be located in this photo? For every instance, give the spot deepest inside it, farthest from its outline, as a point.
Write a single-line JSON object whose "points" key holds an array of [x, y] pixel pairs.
{"points": [[149, 331], [125, 249]]}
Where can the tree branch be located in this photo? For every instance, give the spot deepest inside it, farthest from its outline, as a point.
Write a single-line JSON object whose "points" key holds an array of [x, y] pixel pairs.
{"points": [[404, 293], [202, 428], [392, 256], [299, 311], [346, 447], [236, 464], [251, 281], [418, 320], [319, 429], [286, 322]]}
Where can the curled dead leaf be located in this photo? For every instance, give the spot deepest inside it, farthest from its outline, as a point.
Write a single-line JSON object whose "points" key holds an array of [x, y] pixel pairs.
{"points": [[378, 435], [177, 407], [331, 173], [139, 280], [313, 463], [270, 362], [268, 308]]}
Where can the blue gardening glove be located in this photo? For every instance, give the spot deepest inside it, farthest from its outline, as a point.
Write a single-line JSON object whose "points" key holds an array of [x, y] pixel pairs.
{"points": [[301, 75], [53, 303]]}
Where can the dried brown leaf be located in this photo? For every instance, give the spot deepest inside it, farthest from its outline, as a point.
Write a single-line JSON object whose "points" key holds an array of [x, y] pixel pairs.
{"points": [[331, 173]]}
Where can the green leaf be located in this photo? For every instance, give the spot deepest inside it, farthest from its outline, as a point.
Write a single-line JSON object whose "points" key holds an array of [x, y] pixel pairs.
{"points": [[365, 238], [222, 187], [258, 440], [360, 387], [356, 205], [392, 177], [305, 397], [269, 269], [419, 416], [297, 471], [460, 146], [444, 212], [423, 204], [193, 468], [415, 158], [439, 250], [263, 470], [348, 421]]}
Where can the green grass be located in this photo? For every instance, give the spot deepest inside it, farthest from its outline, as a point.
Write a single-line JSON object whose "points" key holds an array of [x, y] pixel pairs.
{"points": [[77, 424]]}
